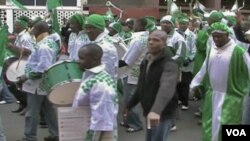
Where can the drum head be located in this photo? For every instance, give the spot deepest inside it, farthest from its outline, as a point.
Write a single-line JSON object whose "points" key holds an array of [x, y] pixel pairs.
{"points": [[15, 70], [63, 95]]}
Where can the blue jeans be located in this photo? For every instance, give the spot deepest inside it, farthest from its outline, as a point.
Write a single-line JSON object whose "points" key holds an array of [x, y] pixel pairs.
{"points": [[5, 93], [36, 103], [246, 110], [161, 132], [133, 118], [2, 136]]}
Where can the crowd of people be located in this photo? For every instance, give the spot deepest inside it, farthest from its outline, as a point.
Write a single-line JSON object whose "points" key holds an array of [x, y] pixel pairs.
{"points": [[166, 62]]}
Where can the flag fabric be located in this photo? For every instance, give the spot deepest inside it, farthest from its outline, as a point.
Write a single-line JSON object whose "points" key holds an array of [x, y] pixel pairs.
{"points": [[53, 4], [18, 4], [3, 43], [235, 6], [55, 22], [199, 7], [51, 7]]}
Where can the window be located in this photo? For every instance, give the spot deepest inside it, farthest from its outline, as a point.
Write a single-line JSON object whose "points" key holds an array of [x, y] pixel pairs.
{"points": [[43, 2]]}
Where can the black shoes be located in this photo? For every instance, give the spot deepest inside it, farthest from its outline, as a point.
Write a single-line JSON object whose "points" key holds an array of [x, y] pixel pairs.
{"points": [[51, 138], [20, 109]]}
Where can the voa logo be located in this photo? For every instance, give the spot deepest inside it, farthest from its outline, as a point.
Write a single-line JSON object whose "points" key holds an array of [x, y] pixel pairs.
{"points": [[236, 132]]}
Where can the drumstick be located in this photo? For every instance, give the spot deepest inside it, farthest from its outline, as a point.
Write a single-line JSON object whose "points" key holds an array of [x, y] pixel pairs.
{"points": [[20, 57]]}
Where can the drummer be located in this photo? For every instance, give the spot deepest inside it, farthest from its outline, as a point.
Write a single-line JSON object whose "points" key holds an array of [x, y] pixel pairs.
{"points": [[23, 40], [41, 58], [78, 37], [23, 46], [98, 91]]}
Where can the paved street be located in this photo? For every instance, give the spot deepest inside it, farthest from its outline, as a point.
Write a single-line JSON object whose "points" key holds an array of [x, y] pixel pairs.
{"points": [[188, 129]]}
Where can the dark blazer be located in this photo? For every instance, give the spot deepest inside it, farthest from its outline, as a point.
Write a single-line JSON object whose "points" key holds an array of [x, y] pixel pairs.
{"points": [[156, 88]]}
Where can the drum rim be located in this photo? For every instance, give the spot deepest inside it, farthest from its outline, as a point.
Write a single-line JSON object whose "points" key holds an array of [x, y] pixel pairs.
{"points": [[6, 73], [63, 82], [62, 104], [59, 62]]}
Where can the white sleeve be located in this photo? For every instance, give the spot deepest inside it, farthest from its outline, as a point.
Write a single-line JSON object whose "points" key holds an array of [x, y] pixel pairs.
{"points": [[134, 52], [199, 76]]}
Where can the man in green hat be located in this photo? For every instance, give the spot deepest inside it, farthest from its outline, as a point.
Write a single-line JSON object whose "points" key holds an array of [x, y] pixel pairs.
{"points": [[187, 68], [78, 36], [227, 69], [95, 25], [204, 42], [175, 40]]}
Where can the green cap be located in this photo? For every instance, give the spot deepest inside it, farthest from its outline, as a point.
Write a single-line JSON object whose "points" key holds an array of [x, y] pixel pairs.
{"points": [[168, 18], [78, 18], [116, 26], [22, 23], [219, 27], [231, 20], [96, 21], [182, 18], [216, 16]]}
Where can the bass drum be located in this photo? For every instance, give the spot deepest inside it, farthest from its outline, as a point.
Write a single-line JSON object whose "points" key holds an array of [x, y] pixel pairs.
{"points": [[8, 60], [61, 81]]}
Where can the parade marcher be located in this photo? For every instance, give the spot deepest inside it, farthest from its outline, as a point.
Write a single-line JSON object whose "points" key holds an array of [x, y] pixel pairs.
{"points": [[98, 91], [23, 45], [187, 68], [156, 90], [78, 36], [43, 56], [95, 26], [137, 49], [175, 41], [203, 42], [225, 92]]}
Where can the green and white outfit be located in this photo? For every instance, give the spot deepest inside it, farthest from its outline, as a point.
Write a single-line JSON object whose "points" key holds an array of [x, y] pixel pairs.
{"points": [[178, 45], [226, 70], [76, 41], [98, 91]]}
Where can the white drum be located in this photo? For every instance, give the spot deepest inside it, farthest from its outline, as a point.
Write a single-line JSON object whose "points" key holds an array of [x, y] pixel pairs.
{"points": [[64, 95], [15, 70]]}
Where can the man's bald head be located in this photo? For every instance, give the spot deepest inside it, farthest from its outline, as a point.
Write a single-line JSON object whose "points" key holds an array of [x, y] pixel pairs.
{"points": [[161, 34], [92, 50], [157, 41], [90, 56]]}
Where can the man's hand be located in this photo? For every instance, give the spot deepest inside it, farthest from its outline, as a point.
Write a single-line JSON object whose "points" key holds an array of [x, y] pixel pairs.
{"points": [[153, 119], [21, 79]]}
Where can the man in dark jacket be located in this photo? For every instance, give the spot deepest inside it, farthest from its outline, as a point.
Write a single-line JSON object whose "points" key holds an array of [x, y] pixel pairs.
{"points": [[156, 88]]}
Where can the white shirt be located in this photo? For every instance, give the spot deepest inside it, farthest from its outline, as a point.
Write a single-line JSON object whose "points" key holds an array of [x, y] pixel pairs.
{"points": [[76, 41], [137, 49], [110, 55]]}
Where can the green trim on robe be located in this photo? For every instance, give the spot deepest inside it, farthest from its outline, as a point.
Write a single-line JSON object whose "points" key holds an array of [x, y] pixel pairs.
{"points": [[233, 101], [201, 46]]}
